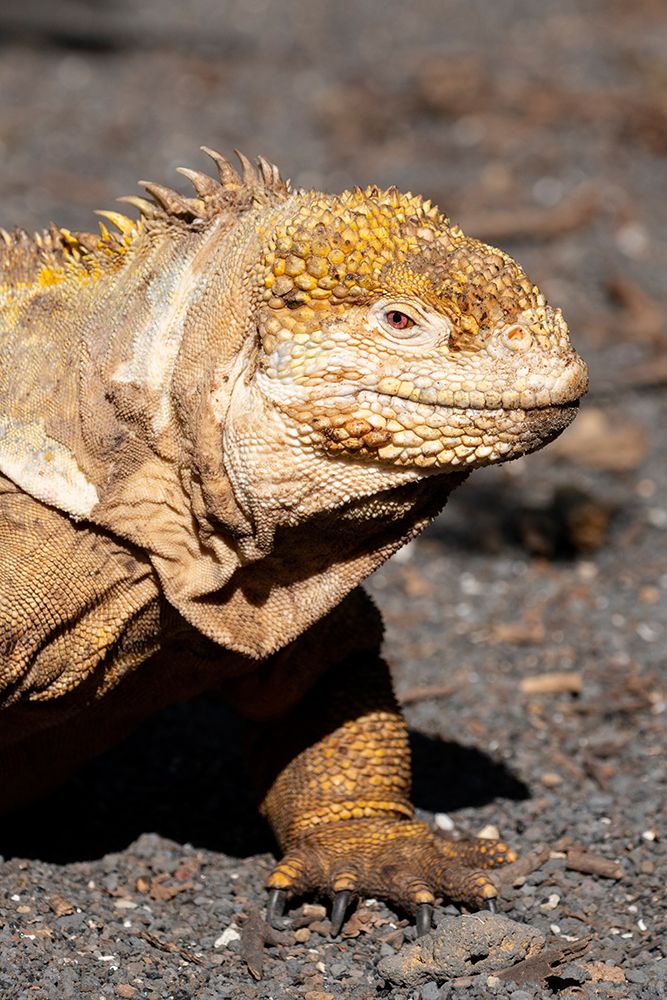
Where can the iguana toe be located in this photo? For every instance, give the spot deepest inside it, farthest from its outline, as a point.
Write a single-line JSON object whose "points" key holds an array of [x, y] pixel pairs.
{"points": [[400, 861]]}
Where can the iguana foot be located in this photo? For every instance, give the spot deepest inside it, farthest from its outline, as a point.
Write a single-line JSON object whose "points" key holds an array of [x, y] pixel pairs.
{"points": [[401, 861]]}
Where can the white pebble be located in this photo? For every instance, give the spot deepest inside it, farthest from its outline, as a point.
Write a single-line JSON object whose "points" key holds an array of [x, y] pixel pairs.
{"points": [[657, 516], [444, 822], [228, 935]]}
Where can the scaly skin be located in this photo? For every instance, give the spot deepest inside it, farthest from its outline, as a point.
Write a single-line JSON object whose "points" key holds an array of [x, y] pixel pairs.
{"points": [[215, 424]]}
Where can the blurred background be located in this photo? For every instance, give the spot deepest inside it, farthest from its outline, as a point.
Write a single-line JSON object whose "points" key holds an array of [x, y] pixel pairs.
{"points": [[539, 126], [542, 127]]}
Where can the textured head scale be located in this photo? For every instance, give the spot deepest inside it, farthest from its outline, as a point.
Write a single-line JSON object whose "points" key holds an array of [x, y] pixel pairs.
{"points": [[345, 248], [349, 249]]}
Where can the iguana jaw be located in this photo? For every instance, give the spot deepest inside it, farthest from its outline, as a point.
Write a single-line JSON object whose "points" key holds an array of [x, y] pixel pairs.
{"points": [[432, 427], [470, 438]]}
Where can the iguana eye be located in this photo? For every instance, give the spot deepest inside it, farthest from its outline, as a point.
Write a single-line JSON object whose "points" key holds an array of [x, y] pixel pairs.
{"points": [[398, 320]]}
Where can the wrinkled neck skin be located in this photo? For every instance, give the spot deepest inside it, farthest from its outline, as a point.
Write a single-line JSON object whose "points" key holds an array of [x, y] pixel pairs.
{"points": [[278, 481], [254, 534]]}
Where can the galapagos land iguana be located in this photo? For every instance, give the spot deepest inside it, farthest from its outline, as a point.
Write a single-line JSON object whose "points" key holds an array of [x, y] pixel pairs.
{"points": [[215, 421]]}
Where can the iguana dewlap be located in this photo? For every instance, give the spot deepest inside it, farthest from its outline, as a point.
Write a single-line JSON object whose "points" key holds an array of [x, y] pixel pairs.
{"points": [[215, 422]]}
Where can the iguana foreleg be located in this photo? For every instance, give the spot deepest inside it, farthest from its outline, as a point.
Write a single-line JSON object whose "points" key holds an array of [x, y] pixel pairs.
{"points": [[336, 775]]}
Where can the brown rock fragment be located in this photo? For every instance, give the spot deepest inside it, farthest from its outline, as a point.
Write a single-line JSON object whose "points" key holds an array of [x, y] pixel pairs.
{"points": [[600, 972], [61, 906], [460, 946]]}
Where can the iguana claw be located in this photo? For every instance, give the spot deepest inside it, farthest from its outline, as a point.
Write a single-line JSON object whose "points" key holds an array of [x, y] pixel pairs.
{"points": [[338, 910], [424, 918]]}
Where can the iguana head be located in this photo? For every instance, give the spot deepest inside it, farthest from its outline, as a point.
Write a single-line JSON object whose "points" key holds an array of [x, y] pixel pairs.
{"points": [[389, 337]]}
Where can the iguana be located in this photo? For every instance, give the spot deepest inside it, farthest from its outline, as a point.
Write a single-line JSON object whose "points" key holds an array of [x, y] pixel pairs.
{"points": [[216, 420]]}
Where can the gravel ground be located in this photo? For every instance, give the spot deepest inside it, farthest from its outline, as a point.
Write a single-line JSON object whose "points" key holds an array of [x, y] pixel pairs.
{"points": [[539, 126]]}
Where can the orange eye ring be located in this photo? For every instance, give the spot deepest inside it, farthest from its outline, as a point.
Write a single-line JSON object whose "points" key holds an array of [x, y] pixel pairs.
{"points": [[398, 320]]}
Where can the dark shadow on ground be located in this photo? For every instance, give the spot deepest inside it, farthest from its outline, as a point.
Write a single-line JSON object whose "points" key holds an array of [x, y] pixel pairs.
{"points": [[182, 775], [494, 515], [449, 776]]}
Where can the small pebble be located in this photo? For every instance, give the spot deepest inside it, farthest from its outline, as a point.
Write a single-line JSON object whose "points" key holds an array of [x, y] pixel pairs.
{"points": [[230, 934], [444, 822]]}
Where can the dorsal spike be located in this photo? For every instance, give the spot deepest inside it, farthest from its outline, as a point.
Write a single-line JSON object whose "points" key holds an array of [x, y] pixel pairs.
{"points": [[271, 177], [228, 176], [170, 200], [250, 175], [204, 185], [145, 206], [68, 238], [125, 225], [269, 172], [6, 237]]}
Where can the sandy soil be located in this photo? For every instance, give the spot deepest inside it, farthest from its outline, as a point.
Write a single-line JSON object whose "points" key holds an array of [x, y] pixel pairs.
{"points": [[539, 126]]}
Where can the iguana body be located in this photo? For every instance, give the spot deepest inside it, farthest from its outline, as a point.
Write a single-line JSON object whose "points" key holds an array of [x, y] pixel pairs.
{"points": [[213, 427]]}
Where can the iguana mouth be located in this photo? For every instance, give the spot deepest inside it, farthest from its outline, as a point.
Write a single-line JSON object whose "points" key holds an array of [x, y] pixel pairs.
{"points": [[561, 392], [572, 404], [470, 406]]}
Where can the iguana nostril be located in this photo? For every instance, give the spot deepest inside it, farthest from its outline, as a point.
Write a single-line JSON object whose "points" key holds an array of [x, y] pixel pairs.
{"points": [[517, 337]]}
